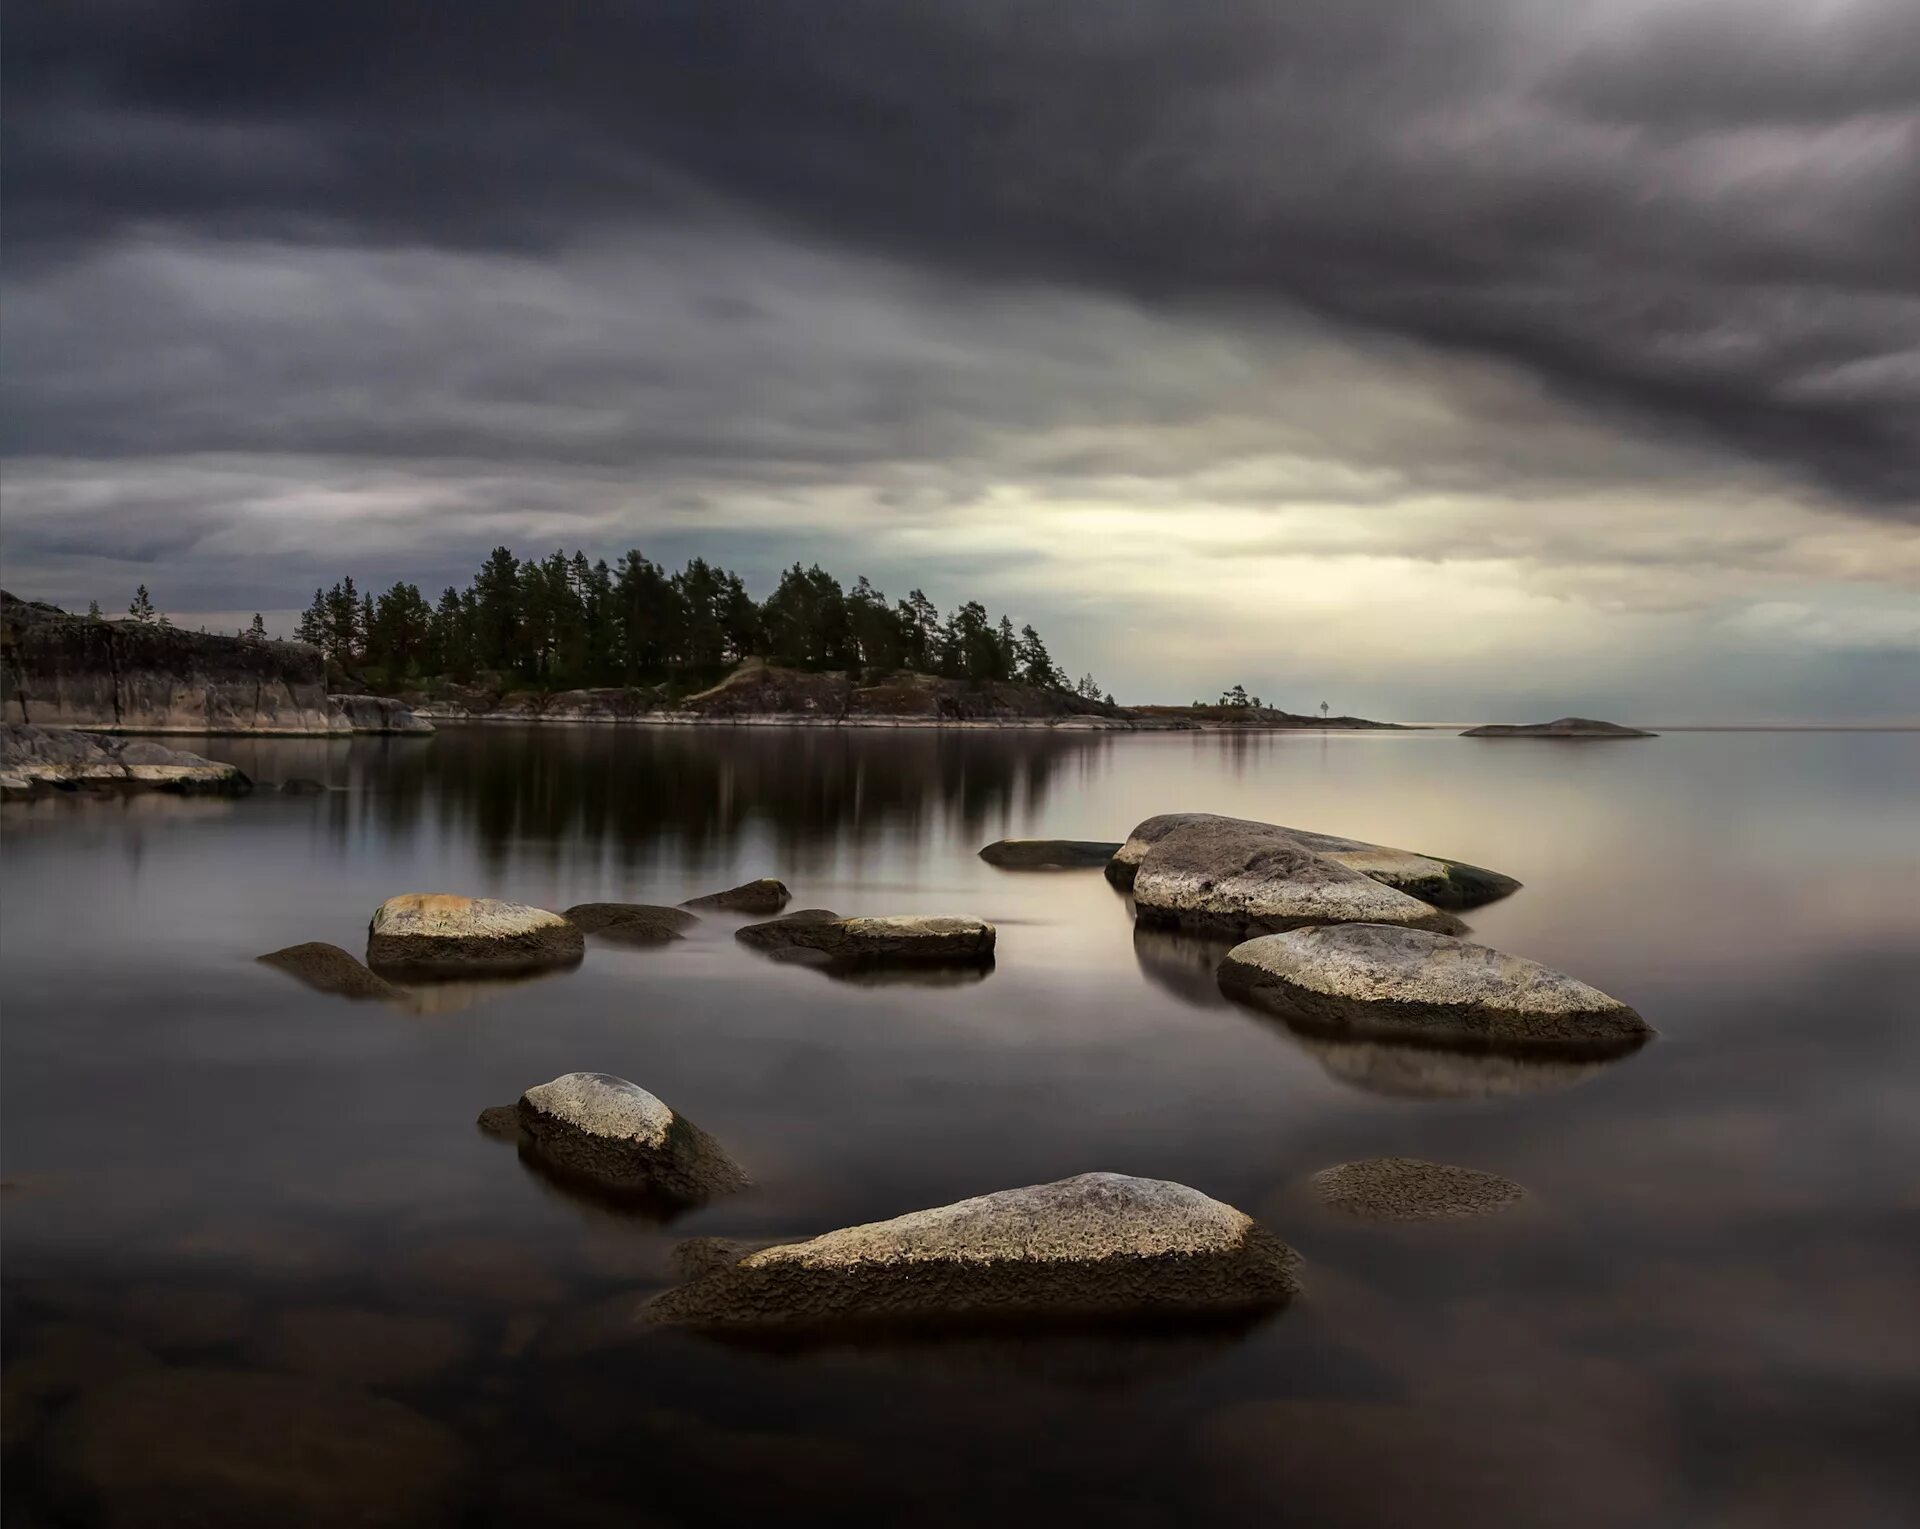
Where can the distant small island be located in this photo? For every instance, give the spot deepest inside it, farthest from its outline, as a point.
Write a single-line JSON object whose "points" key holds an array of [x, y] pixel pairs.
{"points": [[1564, 727]]}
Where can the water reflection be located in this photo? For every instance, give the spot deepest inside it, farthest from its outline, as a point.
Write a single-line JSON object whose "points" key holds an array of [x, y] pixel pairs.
{"points": [[1183, 963], [1401, 1070]]}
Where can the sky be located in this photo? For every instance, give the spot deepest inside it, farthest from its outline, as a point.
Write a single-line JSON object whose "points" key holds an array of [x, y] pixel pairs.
{"points": [[1440, 359]]}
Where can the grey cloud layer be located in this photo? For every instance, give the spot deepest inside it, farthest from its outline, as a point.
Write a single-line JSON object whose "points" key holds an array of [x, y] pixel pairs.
{"points": [[1700, 219]]}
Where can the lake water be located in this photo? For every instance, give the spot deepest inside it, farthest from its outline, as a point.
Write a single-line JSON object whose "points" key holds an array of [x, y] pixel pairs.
{"points": [[1703, 1313]]}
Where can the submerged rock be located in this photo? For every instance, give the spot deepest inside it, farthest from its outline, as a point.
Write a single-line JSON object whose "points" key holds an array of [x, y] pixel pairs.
{"points": [[1432, 879], [614, 1135], [329, 969], [438, 932], [1227, 875], [1377, 979], [631, 923], [1407, 1189], [303, 785], [1563, 727], [1100, 1245], [765, 895], [1048, 854], [221, 1448], [821, 936], [360, 1347], [33, 758]]}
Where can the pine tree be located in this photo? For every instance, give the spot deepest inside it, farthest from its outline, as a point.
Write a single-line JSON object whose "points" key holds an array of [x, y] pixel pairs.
{"points": [[257, 629], [93, 611], [141, 608]]}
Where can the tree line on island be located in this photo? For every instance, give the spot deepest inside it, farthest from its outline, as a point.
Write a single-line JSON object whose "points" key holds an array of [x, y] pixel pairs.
{"points": [[562, 622]]}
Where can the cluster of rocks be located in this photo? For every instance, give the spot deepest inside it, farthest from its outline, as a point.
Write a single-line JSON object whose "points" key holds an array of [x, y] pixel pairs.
{"points": [[37, 759]]}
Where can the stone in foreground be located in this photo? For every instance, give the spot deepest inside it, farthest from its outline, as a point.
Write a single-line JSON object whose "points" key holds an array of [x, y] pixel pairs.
{"points": [[1048, 854], [1101, 1245], [819, 936], [613, 1134], [439, 933], [33, 758], [1375, 979], [631, 923], [1444, 883], [1563, 727], [1407, 1189], [329, 969], [766, 895], [220, 1449], [1220, 874]]}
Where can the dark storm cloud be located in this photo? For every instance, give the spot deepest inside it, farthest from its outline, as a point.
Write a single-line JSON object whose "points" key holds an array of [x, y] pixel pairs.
{"points": [[1702, 216]]}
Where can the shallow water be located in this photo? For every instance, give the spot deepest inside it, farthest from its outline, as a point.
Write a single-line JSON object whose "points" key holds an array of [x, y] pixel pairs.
{"points": [[1703, 1313]]}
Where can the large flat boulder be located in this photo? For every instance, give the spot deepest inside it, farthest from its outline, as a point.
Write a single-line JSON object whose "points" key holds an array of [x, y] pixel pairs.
{"points": [[1561, 727], [34, 758], [1431, 878], [1099, 1245], [1222, 874], [614, 1135], [441, 933], [819, 936], [631, 923], [224, 1449], [1048, 854], [1376, 979]]}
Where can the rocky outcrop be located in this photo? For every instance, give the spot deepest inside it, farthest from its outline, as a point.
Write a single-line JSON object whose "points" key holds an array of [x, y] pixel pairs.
{"points": [[374, 714], [766, 895], [222, 1449], [1048, 854], [477, 703], [329, 969], [1099, 1245], [34, 759], [1222, 874], [438, 933], [821, 937], [1443, 883], [140, 677], [761, 691], [1564, 727], [631, 923], [614, 1135], [1374, 979], [1407, 1189]]}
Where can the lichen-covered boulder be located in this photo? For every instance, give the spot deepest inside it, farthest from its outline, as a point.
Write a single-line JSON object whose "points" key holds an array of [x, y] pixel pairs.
{"points": [[329, 969], [765, 895], [1384, 980], [439, 933], [1407, 1189], [1099, 1245], [631, 923], [1222, 874], [224, 1449], [605, 1131], [1431, 878], [1048, 854], [819, 936]]}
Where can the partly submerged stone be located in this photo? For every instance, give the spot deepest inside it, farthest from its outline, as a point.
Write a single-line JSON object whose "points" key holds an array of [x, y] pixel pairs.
{"points": [[1432, 879], [33, 757], [616, 1136], [440, 933], [221, 1449], [631, 923], [1048, 854], [329, 969], [1227, 875], [1407, 1189], [1373, 979], [821, 936], [1097, 1246], [766, 895], [1561, 727]]}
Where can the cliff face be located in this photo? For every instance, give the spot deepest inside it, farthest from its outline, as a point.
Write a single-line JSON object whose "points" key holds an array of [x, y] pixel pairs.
{"points": [[58, 670]]}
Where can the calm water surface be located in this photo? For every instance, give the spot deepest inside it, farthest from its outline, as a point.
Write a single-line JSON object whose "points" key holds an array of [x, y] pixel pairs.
{"points": [[1704, 1313]]}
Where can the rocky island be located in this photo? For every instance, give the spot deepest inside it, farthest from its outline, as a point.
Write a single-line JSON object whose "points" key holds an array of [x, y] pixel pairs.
{"points": [[1563, 727]]}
